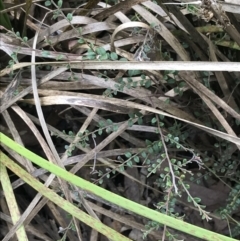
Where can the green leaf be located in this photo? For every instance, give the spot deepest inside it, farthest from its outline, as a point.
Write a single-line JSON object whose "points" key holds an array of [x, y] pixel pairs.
{"points": [[113, 56], [70, 133], [81, 41], [131, 114], [101, 51], [171, 81], [148, 161], [182, 84], [216, 145], [123, 59], [166, 169], [128, 154], [176, 139], [101, 123], [69, 17], [90, 52], [45, 53], [173, 160], [161, 117], [115, 128], [59, 57], [138, 113], [133, 72], [148, 142], [134, 84], [140, 121], [48, 3], [160, 144], [156, 147], [129, 80], [176, 90], [14, 56], [129, 163], [136, 159], [104, 56], [237, 122], [100, 173], [150, 150], [109, 129], [25, 39], [80, 30], [89, 57], [55, 14], [161, 124], [154, 120], [148, 83], [167, 101], [109, 122], [158, 161], [60, 2], [130, 123]]}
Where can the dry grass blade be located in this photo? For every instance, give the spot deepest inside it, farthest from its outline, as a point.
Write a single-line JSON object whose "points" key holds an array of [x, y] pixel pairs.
{"points": [[124, 26], [190, 79], [100, 101], [30, 229], [222, 81], [164, 32], [138, 97], [118, 7], [232, 8], [27, 90], [157, 65], [61, 202], [28, 165], [12, 204]]}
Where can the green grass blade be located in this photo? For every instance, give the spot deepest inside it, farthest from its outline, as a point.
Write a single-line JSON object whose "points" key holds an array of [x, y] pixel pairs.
{"points": [[62, 203], [11, 202], [4, 18], [113, 198]]}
